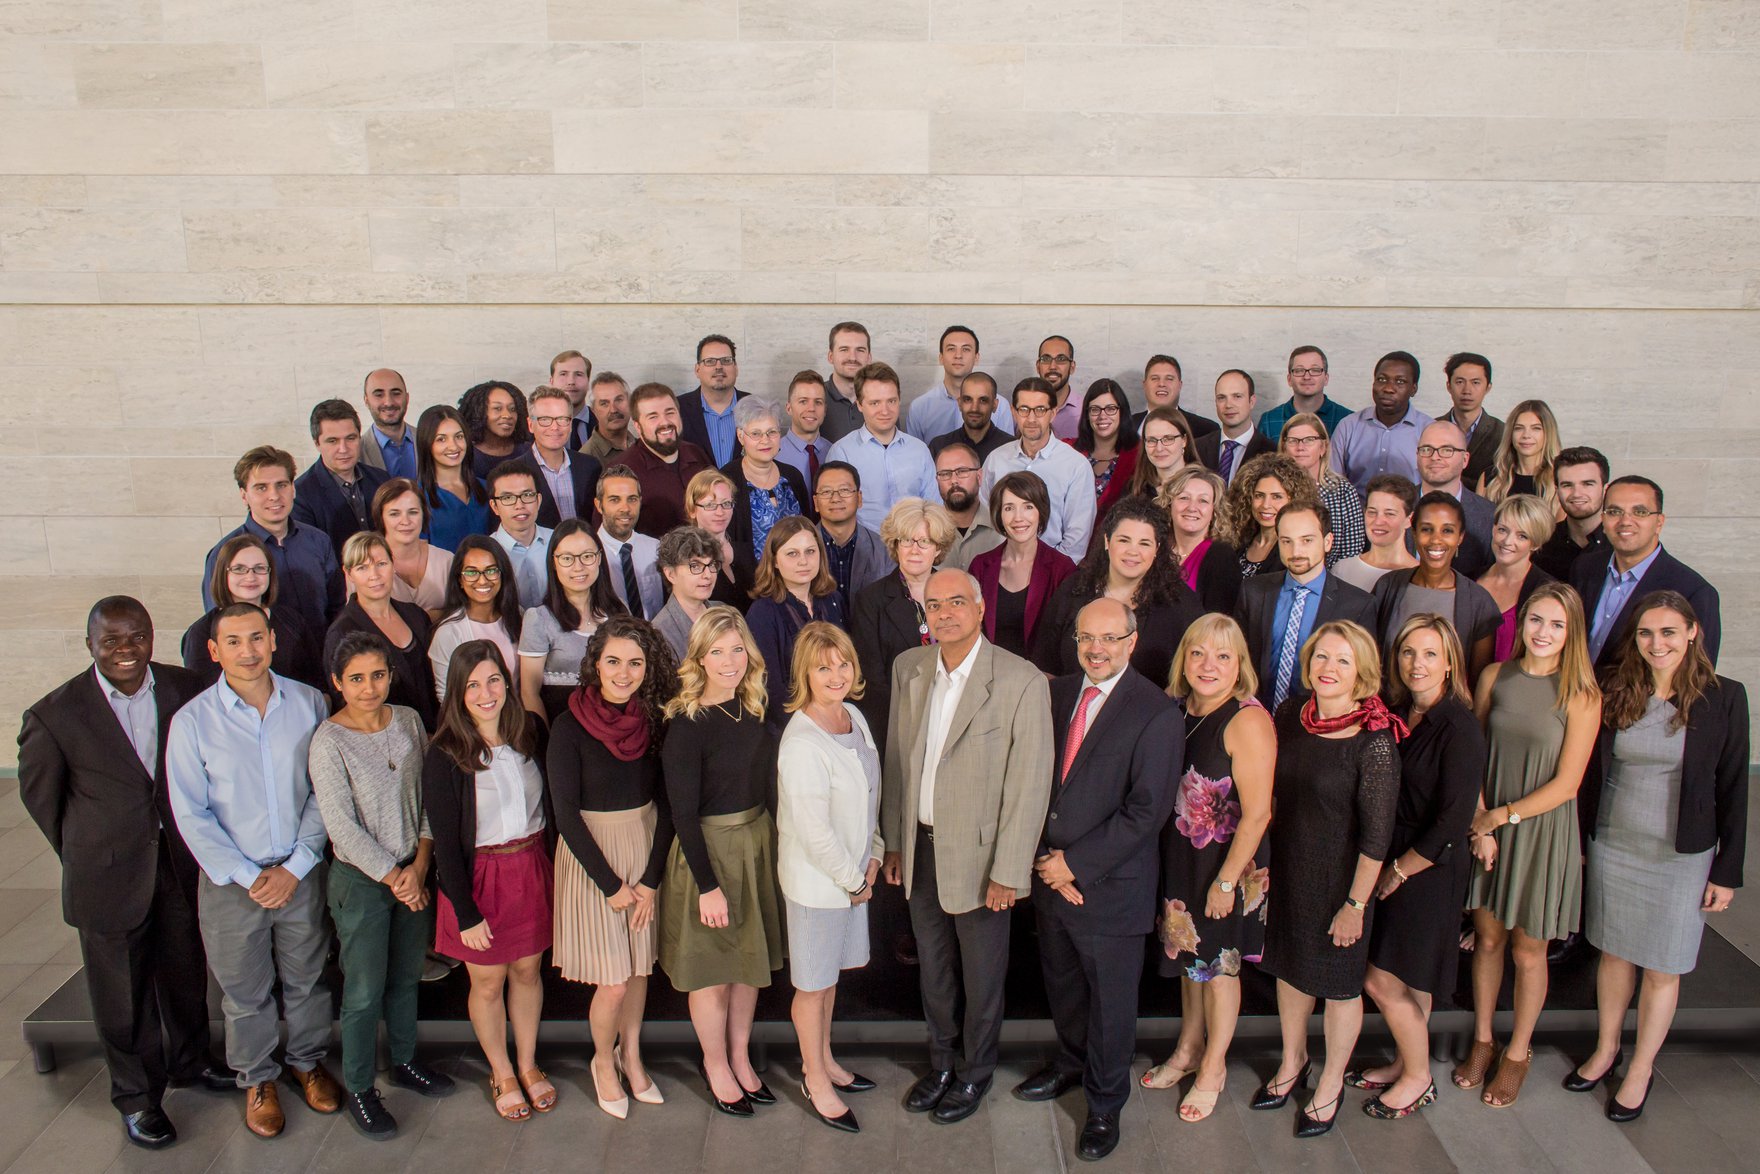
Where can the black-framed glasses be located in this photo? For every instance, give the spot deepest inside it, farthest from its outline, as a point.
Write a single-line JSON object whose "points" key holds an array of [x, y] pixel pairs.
{"points": [[525, 497], [472, 574]]}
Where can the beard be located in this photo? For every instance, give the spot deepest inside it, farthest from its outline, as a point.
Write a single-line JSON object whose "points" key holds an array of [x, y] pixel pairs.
{"points": [[959, 499], [663, 445]]}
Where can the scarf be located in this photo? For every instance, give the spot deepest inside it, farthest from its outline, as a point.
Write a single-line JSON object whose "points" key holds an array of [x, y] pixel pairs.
{"points": [[1371, 715], [625, 732]]}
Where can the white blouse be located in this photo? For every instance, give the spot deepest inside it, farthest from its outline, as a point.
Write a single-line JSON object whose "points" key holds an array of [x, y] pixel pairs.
{"points": [[510, 798]]}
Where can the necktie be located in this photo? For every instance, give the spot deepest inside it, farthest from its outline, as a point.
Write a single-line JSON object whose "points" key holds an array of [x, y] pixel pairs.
{"points": [[812, 468], [1077, 730], [632, 591], [1227, 460], [1286, 656]]}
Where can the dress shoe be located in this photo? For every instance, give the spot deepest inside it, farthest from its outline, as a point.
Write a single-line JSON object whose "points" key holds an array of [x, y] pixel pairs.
{"points": [[323, 1094], [927, 1092], [370, 1115], [1620, 1114], [1047, 1084], [760, 1095], [961, 1100], [1099, 1137], [1310, 1126], [857, 1083], [844, 1122], [1575, 1081], [739, 1108], [1569, 948], [423, 1079], [262, 1110], [149, 1128], [211, 1076], [1268, 1098]]}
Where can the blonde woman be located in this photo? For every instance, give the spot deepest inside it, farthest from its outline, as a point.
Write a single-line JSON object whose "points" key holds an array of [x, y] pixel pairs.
{"points": [[1209, 565], [1264, 486], [1523, 524], [710, 502], [1523, 463], [888, 615], [720, 921], [1304, 438]]}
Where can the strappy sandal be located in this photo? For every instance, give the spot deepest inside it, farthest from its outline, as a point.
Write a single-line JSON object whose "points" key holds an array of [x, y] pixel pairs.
{"points": [[1503, 1089], [1201, 1102], [510, 1103], [1470, 1073], [539, 1089], [1165, 1075]]}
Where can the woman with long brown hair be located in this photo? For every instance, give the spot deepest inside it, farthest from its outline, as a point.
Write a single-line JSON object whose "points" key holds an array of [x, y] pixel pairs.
{"points": [[1165, 447], [794, 587], [1107, 436], [1523, 463]]}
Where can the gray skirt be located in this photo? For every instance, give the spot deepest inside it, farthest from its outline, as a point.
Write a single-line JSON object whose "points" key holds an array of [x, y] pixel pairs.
{"points": [[822, 943], [1642, 899]]}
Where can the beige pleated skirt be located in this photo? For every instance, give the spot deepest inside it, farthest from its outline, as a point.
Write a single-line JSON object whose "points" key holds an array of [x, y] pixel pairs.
{"points": [[742, 848], [592, 942]]}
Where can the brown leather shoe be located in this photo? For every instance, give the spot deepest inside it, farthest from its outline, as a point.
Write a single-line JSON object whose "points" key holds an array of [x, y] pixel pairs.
{"points": [[323, 1094], [262, 1110]]}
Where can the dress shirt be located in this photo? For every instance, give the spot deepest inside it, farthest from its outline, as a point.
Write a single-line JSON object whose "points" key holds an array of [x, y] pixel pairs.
{"points": [[889, 472], [1363, 448], [944, 697], [306, 569], [1095, 706], [843, 565], [720, 428], [1067, 420], [794, 453], [1272, 421], [138, 714], [583, 428], [400, 455], [646, 553], [351, 493], [1286, 599], [1616, 590], [937, 411], [1223, 440], [561, 482], [1068, 479], [239, 784], [530, 562], [509, 798]]}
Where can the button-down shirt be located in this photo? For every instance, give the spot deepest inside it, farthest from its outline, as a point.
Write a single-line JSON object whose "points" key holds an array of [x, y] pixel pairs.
{"points": [[1106, 687], [400, 455], [582, 429], [1616, 591], [720, 429], [530, 562], [510, 798], [794, 453], [1067, 420], [937, 411], [1272, 421], [1068, 479], [979, 537], [1286, 600], [1223, 440], [137, 714], [889, 472], [644, 555], [561, 482], [1363, 447], [944, 695], [309, 578], [239, 787], [351, 493], [663, 482]]}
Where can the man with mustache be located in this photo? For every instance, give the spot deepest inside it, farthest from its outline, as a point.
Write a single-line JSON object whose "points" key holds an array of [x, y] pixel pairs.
{"points": [[662, 461], [608, 401]]}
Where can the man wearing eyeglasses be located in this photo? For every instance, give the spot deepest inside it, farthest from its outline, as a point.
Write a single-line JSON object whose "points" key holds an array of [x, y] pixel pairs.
{"points": [[958, 475], [1068, 479], [1383, 437], [1308, 375], [857, 556], [565, 481], [1442, 462], [707, 411], [1056, 365], [937, 410], [977, 411], [513, 496]]}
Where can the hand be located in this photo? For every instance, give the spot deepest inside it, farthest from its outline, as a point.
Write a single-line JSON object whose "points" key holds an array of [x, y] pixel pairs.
{"points": [[1484, 850], [1218, 904], [1053, 869], [645, 909], [863, 897], [404, 885], [998, 897], [1069, 893], [1389, 881], [872, 875], [1487, 821], [712, 909], [274, 887], [416, 875], [622, 899], [1717, 898], [477, 937], [893, 868], [1347, 926]]}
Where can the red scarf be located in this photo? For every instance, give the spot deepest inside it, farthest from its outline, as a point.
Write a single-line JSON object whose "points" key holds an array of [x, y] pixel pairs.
{"points": [[624, 732], [1371, 715]]}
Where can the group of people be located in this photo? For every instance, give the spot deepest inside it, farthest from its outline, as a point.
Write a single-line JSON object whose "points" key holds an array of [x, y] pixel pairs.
{"points": [[716, 684]]}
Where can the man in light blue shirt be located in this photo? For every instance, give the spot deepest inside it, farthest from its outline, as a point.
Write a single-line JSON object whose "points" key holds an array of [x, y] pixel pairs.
{"points": [[513, 496], [893, 465], [1383, 438], [239, 790], [392, 444], [1068, 479], [802, 445], [937, 410]]}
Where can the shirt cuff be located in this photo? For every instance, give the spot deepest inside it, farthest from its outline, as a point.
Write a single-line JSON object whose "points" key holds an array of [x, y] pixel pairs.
{"points": [[301, 862]]}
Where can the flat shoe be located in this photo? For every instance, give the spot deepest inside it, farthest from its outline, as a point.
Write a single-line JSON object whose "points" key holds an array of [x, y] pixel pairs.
{"points": [[1201, 1101], [1165, 1076], [510, 1101], [1380, 1110], [1355, 1079], [538, 1088]]}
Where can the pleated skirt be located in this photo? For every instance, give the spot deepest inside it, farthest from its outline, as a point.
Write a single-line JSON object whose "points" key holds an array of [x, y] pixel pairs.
{"points": [[594, 943], [742, 849]]}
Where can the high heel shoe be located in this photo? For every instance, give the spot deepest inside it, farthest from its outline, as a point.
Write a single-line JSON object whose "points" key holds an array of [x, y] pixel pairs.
{"points": [[1307, 1126], [1575, 1081], [1267, 1098], [618, 1108], [648, 1096], [758, 1096], [844, 1122], [739, 1108], [1620, 1114], [857, 1083]]}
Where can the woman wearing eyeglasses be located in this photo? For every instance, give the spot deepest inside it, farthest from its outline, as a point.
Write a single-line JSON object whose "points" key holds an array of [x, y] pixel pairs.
{"points": [[794, 589], [553, 636], [889, 615], [765, 489], [1167, 446], [482, 603], [1306, 441], [1107, 436], [710, 502], [690, 562], [244, 573]]}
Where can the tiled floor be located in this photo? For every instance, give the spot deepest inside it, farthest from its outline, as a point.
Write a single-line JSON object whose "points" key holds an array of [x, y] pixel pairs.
{"points": [[1702, 1115]]}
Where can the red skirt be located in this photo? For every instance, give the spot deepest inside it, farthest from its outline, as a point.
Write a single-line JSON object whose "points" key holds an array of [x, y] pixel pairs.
{"points": [[511, 887]]}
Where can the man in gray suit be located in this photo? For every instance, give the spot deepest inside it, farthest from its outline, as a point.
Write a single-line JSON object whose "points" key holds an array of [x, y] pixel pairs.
{"points": [[967, 783], [1442, 463]]}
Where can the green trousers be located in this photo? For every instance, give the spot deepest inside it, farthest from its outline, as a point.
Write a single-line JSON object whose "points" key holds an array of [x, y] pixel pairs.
{"points": [[381, 944]]}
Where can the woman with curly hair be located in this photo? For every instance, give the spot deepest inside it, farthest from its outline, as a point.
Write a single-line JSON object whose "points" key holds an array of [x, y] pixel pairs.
{"points": [[1134, 564], [494, 414], [1523, 463], [1248, 519]]}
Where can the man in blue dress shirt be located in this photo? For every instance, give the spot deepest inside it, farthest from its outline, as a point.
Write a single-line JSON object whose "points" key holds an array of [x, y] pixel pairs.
{"points": [[390, 442], [707, 411], [513, 496], [892, 464], [937, 410], [305, 561]]}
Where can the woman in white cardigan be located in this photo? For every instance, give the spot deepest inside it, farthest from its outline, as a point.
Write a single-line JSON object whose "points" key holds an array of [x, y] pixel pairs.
{"points": [[828, 851]]}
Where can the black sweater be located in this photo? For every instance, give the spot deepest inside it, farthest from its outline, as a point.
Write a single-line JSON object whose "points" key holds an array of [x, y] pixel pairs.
{"points": [[449, 796], [412, 677], [585, 776], [715, 766]]}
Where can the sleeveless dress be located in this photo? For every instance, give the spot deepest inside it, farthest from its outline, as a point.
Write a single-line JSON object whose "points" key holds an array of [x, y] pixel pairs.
{"points": [[1194, 844], [1537, 882]]}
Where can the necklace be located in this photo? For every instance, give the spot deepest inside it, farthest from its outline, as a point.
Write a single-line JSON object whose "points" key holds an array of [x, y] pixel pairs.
{"points": [[737, 713], [377, 741]]}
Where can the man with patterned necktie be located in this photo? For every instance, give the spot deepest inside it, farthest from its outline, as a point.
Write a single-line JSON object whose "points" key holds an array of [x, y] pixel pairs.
{"points": [[632, 560]]}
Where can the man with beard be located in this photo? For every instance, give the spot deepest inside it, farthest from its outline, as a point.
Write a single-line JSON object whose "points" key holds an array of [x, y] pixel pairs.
{"points": [[957, 474], [977, 409], [632, 560], [608, 400], [706, 413], [1383, 437], [937, 410], [393, 446], [1580, 475], [662, 462], [1056, 365]]}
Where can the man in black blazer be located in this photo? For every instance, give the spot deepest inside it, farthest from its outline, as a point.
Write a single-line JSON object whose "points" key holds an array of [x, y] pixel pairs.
{"points": [[1442, 465], [561, 477], [1236, 438], [714, 395], [1279, 612], [91, 772], [335, 495], [1119, 743], [1611, 584]]}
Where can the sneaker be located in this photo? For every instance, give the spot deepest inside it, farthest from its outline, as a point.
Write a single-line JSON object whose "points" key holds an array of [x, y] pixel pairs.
{"points": [[421, 1078], [369, 1113]]}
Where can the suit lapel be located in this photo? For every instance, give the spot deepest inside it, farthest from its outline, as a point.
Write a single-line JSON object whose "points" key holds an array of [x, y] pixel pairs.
{"points": [[975, 694], [916, 724], [1112, 711]]}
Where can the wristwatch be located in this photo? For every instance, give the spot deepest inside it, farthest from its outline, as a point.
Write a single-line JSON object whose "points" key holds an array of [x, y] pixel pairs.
{"points": [[1359, 906], [1515, 816], [1226, 886]]}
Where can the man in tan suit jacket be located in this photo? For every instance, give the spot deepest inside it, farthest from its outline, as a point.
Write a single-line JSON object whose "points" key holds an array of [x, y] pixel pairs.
{"points": [[967, 783]]}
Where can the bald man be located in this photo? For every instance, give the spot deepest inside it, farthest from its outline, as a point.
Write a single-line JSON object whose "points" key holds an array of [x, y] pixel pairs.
{"points": [[1442, 465], [389, 444]]}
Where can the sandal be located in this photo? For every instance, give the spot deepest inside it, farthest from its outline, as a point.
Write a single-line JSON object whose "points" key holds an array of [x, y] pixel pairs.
{"points": [[1201, 1102], [1470, 1073], [539, 1089], [510, 1103], [1503, 1089], [1382, 1111], [1165, 1075]]}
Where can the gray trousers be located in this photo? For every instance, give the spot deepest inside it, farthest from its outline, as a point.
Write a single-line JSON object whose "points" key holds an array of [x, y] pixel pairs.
{"points": [[248, 948]]}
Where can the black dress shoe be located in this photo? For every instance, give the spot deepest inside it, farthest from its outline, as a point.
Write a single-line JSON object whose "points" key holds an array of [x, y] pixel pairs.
{"points": [[1265, 1098], [423, 1079], [1099, 1137], [1047, 1084], [369, 1114], [1575, 1081], [149, 1128], [961, 1101], [739, 1108], [1569, 948], [927, 1092], [904, 949], [844, 1122], [211, 1076], [1307, 1126], [1619, 1113], [760, 1095], [857, 1083]]}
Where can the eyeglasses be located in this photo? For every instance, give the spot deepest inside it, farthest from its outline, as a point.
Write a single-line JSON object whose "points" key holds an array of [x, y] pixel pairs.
{"points": [[918, 543], [472, 574], [1163, 441], [836, 494], [252, 569], [551, 421], [1439, 450], [1040, 410], [1103, 410], [766, 435], [1639, 512], [950, 474], [1401, 382], [717, 361], [525, 497], [1303, 441], [714, 507], [1084, 639], [587, 559], [1307, 372], [697, 566], [1059, 360]]}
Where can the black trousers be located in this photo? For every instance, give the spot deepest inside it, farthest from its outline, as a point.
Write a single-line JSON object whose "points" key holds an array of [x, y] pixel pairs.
{"points": [[963, 967], [1091, 983], [149, 991]]}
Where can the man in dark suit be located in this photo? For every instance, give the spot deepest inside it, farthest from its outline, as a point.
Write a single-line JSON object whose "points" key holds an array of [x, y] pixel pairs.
{"points": [[707, 411], [1236, 442], [1442, 465], [1279, 612], [335, 495], [1119, 746], [565, 480], [1162, 381], [1612, 584], [91, 772]]}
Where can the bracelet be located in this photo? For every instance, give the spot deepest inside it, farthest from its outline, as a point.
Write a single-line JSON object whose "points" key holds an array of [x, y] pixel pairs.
{"points": [[1403, 878], [859, 891]]}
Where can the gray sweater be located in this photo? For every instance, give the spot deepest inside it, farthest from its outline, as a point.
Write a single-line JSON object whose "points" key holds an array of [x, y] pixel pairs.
{"points": [[369, 789]]}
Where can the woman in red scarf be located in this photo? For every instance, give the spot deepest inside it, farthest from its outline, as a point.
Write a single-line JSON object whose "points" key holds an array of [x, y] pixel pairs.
{"points": [[604, 764]]}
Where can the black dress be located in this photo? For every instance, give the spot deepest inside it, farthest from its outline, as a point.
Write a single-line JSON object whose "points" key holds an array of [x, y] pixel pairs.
{"points": [[1160, 627], [1194, 844], [1335, 800], [1417, 929]]}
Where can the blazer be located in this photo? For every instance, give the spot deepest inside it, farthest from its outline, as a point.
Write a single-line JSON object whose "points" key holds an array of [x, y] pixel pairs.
{"points": [[449, 799], [1475, 556], [1256, 609], [826, 825], [882, 624], [1481, 446], [1208, 449], [692, 427], [583, 472], [412, 676], [1219, 577], [1050, 567], [101, 811], [870, 564], [1107, 813], [317, 502], [1714, 781], [739, 530], [1589, 576], [1389, 588], [775, 626], [993, 781]]}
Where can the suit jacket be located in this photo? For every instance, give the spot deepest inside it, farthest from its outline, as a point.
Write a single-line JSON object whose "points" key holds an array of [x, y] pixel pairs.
{"points": [[993, 781], [1667, 573], [1209, 451], [583, 472], [1475, 556], [1107, 813], [826, 829], [318, 502], [1050, 567], [739, 530], [696, 431], [1475, 613], [882, 624], [1481, 446], [85, 787], [1200, 424], [1256, 610], [871, 563]]}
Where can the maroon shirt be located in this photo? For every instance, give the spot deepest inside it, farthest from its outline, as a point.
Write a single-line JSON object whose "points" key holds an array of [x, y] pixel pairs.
{"points": [[662, 483]]}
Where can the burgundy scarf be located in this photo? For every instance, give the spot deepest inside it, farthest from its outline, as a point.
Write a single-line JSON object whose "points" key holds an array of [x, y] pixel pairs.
{"points": [[624, 732], [1371, 715]]}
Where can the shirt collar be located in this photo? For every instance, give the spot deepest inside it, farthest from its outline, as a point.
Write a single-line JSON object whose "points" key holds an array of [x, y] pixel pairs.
{"points": [[610, 543], [231, 700], [385, 440], [866, 435], [115, 694], [1313, 586], [1106, 687], [540, 538], [1637, 572], [962, 671]]}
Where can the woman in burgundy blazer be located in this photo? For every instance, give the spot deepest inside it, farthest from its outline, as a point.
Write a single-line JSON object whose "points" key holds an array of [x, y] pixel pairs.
{"points": [[1020, 507]]}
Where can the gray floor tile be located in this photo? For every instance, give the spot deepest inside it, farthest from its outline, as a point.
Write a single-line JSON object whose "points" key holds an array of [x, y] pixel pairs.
{"points": [[1218, 1144], [30, 1103], [346, 1150], [1569, 1127], [42, 871], [20, 845], [1673, 1138], [85, 1135], [12, 811], [39, 936], [243, 1152], [18, 904], [205, 1122]]}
